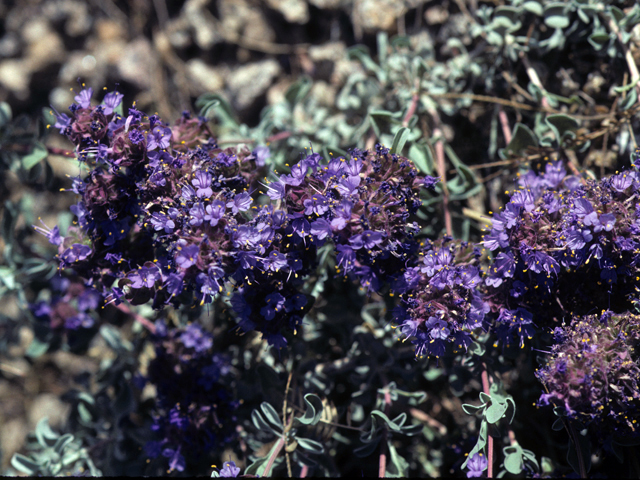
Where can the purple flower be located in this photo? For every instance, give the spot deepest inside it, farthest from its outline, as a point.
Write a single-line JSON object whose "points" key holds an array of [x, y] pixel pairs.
{"points": [[261, 153], [275, 261], [162, 222], [298, 173], [144, 277], [159, 137], [430, 182], [275, 302], [136, 136], [477, 464], [194, 337], [187, 255], [84, 97], [621, 181], [76, 253], [63, 121], [321, 228], [317, 204], [240, 203], [576, 239], [202, 184], [229, 470], [214, 212], [349, 185], [438, 328], [176, 460], [197, 215], [111, 102], [53, 234], [276, 190], [523, 198]]}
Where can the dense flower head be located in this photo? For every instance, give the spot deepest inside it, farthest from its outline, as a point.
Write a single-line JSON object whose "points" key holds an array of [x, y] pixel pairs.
{"points": [[562, 247], [441, 304], [362, 205], [166, 216], [593, 373], [194, 411]]}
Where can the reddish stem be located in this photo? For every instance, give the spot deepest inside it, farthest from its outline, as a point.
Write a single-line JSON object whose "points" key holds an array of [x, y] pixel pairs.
{"points": [[304, 471], [412, 110], [138, 318], [504, 122], [485, 388], [61, 151]]}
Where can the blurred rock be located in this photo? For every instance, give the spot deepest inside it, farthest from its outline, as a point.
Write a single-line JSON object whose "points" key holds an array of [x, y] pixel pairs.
{"points": [[13, 433], [295, 11], [78, 21], [330, 4], [48, 405], [14, 76], [205, 77], [136, 65], [241, 18], [204, 29], [378, 14], [247, 83]]}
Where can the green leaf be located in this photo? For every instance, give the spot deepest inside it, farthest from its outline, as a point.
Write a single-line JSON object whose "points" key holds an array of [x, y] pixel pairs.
{"points": [[310, 445], [24, 464], [495, 412], [38, 153], [62, 443], [44, 434], [5, 113], [368, 448], [582, 450], [314, 410], [562, 124], [522, 138], [471, 409], [629, 101], [420, 155], [215, 105], [258, 467], [381, 120], [271, 415], [556, 15], [297, 91], [399, 140], [534, 7], [513, 461], [397, 467], [85, 416], [36, 348]]}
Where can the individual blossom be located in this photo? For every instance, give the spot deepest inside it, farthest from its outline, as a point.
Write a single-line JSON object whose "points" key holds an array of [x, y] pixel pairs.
{"points": [[476, 465]]}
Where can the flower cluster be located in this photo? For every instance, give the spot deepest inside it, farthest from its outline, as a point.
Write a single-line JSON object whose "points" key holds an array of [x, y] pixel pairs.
{"points": [[593, 372], [194, 410], [165, 216], [441, 305], [362, 205], [561, 247]]}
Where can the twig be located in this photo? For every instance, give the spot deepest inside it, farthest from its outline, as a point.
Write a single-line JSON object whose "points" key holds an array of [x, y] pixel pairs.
{"points": [[61, 152], [429, 420], [504, 123], [137, 317], [274, 455], [486, 389]]}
